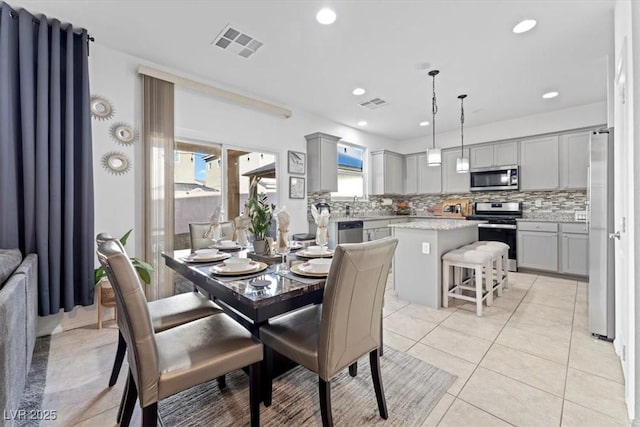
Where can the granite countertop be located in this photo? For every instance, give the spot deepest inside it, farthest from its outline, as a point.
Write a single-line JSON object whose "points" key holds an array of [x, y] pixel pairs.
{"points": [[438, 224], [559, 221], [374, 218]]}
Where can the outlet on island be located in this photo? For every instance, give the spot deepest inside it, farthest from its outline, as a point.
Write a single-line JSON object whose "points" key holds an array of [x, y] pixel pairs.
{"points": [[426, 248]]}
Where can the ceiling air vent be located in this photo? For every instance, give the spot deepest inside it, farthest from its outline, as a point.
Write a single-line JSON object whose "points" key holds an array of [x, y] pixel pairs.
{"points": [[237, 42], [374, 103]]}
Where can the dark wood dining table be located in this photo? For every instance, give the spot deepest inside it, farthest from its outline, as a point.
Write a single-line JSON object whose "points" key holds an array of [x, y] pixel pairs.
{"points": [[248, 305]]}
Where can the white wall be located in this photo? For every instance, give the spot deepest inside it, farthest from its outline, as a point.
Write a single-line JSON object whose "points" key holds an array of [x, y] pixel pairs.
{"points": [[553, 121]]}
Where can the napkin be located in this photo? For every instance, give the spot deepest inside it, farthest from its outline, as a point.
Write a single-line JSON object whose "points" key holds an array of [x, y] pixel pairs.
{"points": [[242, 223], [283, 220], [213, 232], [322, 221]]}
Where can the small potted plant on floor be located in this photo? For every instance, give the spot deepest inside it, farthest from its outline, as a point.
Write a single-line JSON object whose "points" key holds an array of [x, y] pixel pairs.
{"points": [[261, 214]]}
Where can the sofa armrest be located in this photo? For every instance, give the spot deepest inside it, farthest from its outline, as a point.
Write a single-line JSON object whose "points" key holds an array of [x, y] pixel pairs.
{"points": [[29, 268]]}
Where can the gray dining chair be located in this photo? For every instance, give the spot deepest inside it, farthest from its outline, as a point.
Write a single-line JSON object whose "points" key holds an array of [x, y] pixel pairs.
{"points": [[166, 313], [165, 363], [330, 337], [198, 229]]}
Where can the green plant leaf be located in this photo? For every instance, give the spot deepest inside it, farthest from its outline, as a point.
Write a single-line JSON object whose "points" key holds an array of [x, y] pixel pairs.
{"points": [[98, 274], [144, 275], [124, 238]]}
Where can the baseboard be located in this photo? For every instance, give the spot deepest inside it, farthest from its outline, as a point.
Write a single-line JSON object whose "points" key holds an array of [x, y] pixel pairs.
{"points": [[553, 274]]}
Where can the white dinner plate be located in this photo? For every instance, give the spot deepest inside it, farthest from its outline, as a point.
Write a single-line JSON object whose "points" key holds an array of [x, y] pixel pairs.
{"points": [[227, 247], [304, 253], [223, 270], [207, 258], [305, 270]]}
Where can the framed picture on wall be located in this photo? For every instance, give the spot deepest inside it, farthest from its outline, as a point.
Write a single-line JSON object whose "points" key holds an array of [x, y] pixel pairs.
{"points": [[297, 162], [296, 187]]}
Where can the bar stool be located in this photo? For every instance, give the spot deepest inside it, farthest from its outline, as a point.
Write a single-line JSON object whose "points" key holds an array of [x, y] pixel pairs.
{"points": [[505, 258], [497, 275], [480, 263]]}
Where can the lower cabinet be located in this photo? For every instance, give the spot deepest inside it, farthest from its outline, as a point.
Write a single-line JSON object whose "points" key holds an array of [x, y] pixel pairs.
{"points": [[558, 248]]}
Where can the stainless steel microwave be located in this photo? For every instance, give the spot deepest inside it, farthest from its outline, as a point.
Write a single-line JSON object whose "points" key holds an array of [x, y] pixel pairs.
{"points": [[494, 178]]}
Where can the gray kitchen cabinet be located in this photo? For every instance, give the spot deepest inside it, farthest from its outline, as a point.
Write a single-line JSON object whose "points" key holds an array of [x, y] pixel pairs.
{"points": [[322, 162], [411, 174], [491, 155], [574, 160], [539, 164], [452, 181], [538, 250], [387, 174], [429, 177], [574, 249]]}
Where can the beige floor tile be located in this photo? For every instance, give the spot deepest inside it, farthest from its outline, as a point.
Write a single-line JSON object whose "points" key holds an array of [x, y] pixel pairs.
{"points": [[606, 365], [580, 321], [597, 393], [397, 341], [457, 343], [469, 323], [514, 293], [461, 413], [106, 418], [554, 288], [555, 281], [407, 326], [393, 303], [533, 370], [578, 416], [583, 339], [560, 315], [511, 400], [438, 411], [563, 302], [494, 313], [542, 326], [77, 341], [522, 278], [508, 304], [553, 349], [425, 313], [458, 367]]}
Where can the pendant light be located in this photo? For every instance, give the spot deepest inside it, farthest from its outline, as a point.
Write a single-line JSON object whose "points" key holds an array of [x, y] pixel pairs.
{"points": [[434, 155], [462, 163]]}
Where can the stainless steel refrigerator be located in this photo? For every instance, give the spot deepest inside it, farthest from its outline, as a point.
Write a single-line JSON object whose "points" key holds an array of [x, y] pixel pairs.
{"points": [[601, 248]]}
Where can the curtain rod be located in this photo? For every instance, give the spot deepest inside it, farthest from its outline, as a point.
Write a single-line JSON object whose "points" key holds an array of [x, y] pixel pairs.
{"points": [[14, 15], [216, 91]]}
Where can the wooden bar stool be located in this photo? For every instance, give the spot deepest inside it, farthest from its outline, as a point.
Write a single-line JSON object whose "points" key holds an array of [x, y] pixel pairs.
{"points": [[505, 258], [480, 263], [498, 277]]}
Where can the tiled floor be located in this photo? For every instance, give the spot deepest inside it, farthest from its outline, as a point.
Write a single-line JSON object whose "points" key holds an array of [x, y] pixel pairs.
{"points": [[528, 361]]}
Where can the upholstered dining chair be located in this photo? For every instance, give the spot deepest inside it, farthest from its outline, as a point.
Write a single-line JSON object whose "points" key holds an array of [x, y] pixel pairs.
{"points": [[168, 362], [329, 337], [197, 230], [166, 313]]}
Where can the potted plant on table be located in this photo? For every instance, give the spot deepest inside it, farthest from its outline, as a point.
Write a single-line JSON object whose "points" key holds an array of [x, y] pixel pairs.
{"points": [[261, 214]]}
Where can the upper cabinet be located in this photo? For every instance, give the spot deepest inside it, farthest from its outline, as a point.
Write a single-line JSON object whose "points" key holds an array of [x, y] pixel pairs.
{"points": [[500, 154], [322, 161], [410, 174], [429, 177], [387, 172], [452, 181], [574, 160], [539, 164]]}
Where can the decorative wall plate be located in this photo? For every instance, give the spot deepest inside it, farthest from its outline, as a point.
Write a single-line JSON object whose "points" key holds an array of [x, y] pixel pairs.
{"points": [[116, 163], [101, 108], [123, 133]]}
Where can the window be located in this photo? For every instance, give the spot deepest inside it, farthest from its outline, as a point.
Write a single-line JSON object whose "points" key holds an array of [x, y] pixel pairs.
{"points": [[350, 171]]}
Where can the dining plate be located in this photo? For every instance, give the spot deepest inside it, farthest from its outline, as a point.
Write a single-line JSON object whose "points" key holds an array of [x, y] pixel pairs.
{"points": [[208, 258], [302, 269], [304, 253], [226, 247], [223, 270]]}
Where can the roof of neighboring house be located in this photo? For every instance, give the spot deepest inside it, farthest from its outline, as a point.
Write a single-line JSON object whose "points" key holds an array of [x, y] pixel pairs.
{"points": [[265, 171], [190, 186]]}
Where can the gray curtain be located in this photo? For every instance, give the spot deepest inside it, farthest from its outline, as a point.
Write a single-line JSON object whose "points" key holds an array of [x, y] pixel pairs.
{"points": [[46, 173]]}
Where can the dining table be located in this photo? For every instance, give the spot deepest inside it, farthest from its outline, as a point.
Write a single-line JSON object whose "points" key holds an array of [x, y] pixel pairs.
{"points": [[251, 299]]}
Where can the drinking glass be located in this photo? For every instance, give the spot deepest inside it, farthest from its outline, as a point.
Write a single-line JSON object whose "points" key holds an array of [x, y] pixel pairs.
{"points": [[322, 239], [283, 246]]}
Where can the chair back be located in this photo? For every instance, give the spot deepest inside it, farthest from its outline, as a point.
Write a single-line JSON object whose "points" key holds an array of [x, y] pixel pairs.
{"points": [[197, 230], [134, 319], [352, 304]]}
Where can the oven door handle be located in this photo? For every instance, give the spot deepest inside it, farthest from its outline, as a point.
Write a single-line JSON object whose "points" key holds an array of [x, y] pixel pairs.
{"points": [[503, 226]]}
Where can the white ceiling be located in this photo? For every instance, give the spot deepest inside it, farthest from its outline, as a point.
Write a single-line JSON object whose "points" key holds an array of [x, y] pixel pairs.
{"points": [[376, 45]]}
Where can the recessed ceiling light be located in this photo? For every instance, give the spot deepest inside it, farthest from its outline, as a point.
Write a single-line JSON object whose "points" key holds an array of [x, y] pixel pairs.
{"points": [[326, 16], [524, 26], [424, 123], [550, 95], [358, 91], [362, 123]]}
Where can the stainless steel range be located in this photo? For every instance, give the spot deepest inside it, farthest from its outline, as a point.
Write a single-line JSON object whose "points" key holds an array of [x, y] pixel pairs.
{"points": [[501, 226]]}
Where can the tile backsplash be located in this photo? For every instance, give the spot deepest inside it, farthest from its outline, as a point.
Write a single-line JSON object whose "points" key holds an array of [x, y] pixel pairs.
{"points": [[560, 204]]}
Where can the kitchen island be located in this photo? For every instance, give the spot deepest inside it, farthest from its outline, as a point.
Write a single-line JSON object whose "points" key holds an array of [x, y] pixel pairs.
{"points": [[417, 266]]}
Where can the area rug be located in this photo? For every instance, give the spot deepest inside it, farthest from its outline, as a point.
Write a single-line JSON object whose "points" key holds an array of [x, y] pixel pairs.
{"points": [[412, 388], [36, 380]]}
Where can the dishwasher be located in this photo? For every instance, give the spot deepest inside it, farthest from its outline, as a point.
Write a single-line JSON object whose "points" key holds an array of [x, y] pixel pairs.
{"points": [[350, 232]]}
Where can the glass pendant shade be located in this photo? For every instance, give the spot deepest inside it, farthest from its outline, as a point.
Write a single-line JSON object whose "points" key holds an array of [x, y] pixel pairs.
{"points": [[434, 157], [462, 165]]}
